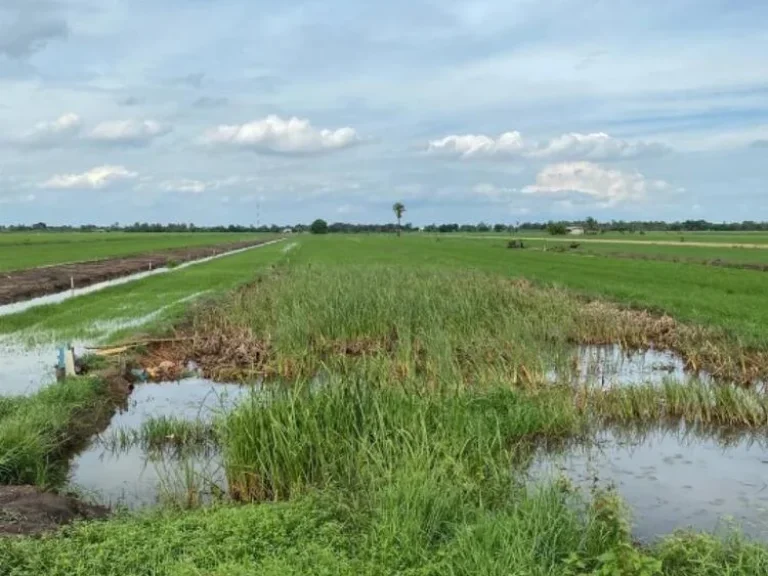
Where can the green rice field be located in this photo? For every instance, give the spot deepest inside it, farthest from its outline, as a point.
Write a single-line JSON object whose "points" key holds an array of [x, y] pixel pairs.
{"points": [[19, 250], [423, 405]]}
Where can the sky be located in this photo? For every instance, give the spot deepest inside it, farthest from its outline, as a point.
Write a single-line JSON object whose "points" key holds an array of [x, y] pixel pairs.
{"points": [[267, 111]]}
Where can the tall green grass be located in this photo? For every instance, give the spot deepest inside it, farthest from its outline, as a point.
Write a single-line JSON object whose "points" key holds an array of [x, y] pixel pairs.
{"points": [[34, 436], [356, 431]]}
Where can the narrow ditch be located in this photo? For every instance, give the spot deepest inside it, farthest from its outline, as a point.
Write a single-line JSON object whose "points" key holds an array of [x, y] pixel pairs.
{"points": [[20, 291]]}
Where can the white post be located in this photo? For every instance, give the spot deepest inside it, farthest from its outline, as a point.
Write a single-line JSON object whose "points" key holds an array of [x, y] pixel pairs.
{"points": [[72, 284], [69, 362]]}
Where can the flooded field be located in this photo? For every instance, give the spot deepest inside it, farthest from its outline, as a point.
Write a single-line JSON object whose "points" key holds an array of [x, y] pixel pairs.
{"points": [[25, 370], [133, 477], [673, 479], [612, 366], [150, 270]]}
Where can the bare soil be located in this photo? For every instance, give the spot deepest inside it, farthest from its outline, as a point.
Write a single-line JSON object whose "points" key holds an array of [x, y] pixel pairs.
{"points": [[19, 285], [26, 510]]}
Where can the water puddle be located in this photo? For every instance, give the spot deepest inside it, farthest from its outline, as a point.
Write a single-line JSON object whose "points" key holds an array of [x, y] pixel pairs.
{"points": [[17, 307], [24, 371], [611, 366], [674, 480], [134, 478]]}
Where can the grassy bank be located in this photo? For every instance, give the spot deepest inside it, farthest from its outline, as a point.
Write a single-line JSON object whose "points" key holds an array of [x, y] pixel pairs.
{"points": [[37, 432], [366, 478]]}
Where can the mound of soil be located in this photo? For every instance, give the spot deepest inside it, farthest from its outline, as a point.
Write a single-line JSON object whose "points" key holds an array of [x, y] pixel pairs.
{"points": [[27, 510], [19, 285]]}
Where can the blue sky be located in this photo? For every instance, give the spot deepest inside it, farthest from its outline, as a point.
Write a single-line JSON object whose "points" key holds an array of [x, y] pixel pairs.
{"points": [[493, 110]]}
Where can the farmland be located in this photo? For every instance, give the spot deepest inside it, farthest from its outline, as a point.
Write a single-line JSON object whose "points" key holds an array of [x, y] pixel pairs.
{"points": [[414, 405], [28, 250]]}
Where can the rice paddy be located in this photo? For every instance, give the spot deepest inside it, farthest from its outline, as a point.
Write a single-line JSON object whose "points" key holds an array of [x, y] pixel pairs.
{"points": [[398, 409]]}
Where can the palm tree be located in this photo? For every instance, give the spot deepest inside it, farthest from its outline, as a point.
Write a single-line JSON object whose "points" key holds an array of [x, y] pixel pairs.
{"points": [[398, 208]]}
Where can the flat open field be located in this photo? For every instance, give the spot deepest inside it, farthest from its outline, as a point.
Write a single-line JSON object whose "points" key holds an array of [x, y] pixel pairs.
{"points": [[382, 405], [19, 250], [705, 238], [33, 282]]}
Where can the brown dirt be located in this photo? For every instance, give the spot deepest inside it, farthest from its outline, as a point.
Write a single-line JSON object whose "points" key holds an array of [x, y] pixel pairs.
{"points": [[26, 510], [16, 286]]}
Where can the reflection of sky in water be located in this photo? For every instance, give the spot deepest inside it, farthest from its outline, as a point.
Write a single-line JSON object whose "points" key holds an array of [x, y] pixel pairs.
{"points": [[608, 366], [24, 371], [672, 482], [131, 477]]}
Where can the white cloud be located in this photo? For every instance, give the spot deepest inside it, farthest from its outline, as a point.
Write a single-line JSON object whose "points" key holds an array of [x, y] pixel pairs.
{"points": [[68, 130], [273, 134], [133, 132], [478, 145], [98, 177], [55, 132], [608, 187], [595, 146]]}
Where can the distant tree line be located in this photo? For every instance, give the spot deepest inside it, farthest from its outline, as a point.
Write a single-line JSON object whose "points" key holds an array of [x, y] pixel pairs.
{"points": [[590, 225]]}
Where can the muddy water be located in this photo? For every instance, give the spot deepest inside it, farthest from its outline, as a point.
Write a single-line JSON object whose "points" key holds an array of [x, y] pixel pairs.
{"points": [[17, 307], [134, 478], [673, 480]]}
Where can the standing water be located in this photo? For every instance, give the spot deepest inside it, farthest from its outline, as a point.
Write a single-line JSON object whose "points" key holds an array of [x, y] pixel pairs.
{"points": [[134, 478], [674, 479]]}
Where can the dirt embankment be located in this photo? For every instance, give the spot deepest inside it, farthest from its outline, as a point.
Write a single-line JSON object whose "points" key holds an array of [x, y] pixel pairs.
{"points": [[26, 284], [29, 510], [26, 510]]}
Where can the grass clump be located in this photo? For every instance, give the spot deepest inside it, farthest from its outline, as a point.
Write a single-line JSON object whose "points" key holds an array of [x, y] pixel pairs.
{"points": [[35, 433], [692, 402], [162, 432], [355, 432]]}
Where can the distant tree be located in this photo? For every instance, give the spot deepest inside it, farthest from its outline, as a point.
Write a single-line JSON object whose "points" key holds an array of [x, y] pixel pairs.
{"points": [[557, 228], [319, 226], [399, 209], [483, 227], [499, 227], [591, 226]]}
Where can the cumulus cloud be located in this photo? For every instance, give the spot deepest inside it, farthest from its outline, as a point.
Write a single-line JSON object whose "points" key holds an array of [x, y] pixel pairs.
{"points": [[595, 146], [478, 145], [95, 178], [68, 130], [54, 133], [127, 132], [275, 135], [605, 186]]}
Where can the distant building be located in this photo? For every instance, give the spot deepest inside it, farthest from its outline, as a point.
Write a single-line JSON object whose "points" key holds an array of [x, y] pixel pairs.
{"points": [[287, 231], [575, 230]]}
